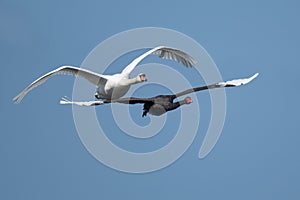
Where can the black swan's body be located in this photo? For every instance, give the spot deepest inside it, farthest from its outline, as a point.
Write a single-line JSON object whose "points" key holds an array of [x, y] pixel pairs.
{"points": [[156, 105]]}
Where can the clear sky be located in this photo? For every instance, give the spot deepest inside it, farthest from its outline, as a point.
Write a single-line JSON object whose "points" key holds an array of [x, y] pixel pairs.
{"points": [[257, 155]]}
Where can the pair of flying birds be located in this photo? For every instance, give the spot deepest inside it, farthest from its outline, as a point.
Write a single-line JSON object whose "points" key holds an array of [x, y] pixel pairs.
{"points": [[110, 88]]}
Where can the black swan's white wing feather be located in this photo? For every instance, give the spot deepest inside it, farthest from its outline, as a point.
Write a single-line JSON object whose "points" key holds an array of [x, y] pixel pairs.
{"points": [[238, 82], [131, 100], [65, 100]]}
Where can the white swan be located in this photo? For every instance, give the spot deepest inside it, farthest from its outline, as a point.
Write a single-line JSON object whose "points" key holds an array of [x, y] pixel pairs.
{"points": [[113, 86]]}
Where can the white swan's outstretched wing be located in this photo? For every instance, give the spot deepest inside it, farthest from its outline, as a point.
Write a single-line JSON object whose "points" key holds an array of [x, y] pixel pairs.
{"points": [[163, 52], [92, 77], [65, 100]]}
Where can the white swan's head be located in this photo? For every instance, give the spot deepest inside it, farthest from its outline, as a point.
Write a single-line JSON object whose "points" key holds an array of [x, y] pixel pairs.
{"points": [[141, 77]]}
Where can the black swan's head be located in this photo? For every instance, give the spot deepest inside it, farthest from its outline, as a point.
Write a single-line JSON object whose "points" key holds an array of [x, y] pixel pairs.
{"points": [[188, 100]]}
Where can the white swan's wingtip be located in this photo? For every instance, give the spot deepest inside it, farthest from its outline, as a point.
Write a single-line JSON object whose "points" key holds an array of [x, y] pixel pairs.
{"points": [[17, 99]]}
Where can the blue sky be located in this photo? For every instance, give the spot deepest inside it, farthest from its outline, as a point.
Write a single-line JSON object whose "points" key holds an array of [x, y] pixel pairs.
{"points": [[256, 157]]}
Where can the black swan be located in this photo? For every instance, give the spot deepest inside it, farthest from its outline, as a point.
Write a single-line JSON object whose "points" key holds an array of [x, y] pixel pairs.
{"points": [[161, 104]]}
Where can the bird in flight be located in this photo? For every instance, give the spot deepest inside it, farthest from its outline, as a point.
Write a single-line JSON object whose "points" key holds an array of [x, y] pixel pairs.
{"points": [[113, 86], [161, 104]]}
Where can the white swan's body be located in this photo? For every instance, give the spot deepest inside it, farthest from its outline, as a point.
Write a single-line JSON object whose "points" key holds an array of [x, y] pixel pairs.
{"points": [[117, 85]]}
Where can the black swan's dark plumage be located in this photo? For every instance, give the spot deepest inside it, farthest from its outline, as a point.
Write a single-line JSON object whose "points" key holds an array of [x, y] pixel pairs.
{"points": [[157, 105]]}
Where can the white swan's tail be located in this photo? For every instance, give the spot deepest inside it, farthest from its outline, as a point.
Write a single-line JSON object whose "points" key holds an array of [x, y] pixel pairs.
{"points": [[66, 100]]}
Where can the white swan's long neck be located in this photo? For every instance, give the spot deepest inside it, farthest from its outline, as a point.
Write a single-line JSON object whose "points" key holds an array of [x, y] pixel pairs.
{"points": [[132, 81]]}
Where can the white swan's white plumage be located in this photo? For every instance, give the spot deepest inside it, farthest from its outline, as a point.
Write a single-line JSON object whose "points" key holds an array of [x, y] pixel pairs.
{"points": [[117, 85]]}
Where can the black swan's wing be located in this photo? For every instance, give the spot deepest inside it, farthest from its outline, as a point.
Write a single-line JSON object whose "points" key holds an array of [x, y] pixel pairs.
{"points": [[232, 83]]}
